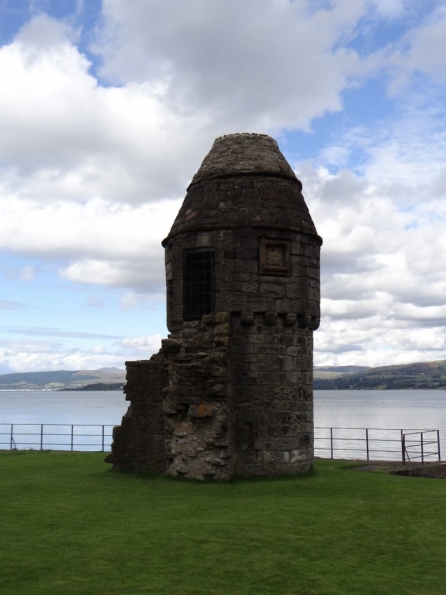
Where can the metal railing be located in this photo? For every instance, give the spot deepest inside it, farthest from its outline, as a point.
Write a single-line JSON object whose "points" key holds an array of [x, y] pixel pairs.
{"points": [[413, 449], [56, 437], [369, 444], [372, 444]]}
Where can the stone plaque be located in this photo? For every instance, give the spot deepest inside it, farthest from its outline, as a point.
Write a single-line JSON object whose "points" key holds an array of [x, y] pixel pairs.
{"points": [[274, 257]]}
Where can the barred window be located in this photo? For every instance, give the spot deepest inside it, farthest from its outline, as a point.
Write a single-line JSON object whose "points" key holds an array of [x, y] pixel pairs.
{"points": [[198, 284]]}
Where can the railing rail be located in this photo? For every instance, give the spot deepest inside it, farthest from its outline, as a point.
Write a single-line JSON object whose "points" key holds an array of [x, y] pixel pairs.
{"points": [[330, 442], [56, 436]]}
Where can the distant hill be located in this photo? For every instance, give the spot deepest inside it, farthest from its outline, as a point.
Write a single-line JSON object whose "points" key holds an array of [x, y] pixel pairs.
{"points": [[417, 376], [336, 371], [60, 379], [97, 386]]}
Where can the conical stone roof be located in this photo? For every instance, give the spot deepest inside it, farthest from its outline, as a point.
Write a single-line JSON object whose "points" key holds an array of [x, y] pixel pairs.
{"points": [[237, 154], [244, 181]]}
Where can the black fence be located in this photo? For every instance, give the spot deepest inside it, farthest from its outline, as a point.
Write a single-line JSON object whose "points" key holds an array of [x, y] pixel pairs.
{"points": [[420, 446], [56, 437], [374, 444], [369, 444]]}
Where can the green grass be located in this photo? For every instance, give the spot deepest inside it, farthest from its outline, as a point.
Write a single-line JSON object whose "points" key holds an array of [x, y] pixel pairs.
{"points": [[69, 525]]}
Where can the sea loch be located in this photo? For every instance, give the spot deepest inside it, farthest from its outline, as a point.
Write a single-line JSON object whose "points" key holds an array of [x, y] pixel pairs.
{"points": [[402, 409]]}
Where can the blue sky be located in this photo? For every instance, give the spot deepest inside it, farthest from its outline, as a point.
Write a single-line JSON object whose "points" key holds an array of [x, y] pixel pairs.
{"points": [[108, 108]]}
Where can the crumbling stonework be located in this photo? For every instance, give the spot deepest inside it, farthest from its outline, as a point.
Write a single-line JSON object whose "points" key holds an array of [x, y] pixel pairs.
{"points": [[139, 442], [197, 401], [230, 393]]}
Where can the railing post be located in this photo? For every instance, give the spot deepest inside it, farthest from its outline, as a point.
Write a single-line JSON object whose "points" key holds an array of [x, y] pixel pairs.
{"points": [[422, 449], [41, 436], [367, 442], [72, 436], [403, 447], [438, 445], [103, 437], [12, 437], [331, 442]]}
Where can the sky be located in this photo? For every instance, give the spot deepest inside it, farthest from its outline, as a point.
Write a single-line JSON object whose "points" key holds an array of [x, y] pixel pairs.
{"points": [[107, 109]]}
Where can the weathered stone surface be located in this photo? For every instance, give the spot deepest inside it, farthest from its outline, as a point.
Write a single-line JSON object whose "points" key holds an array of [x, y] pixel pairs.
{"points": [[230, 392], [236, 154], [138, 443], [170, 346]]}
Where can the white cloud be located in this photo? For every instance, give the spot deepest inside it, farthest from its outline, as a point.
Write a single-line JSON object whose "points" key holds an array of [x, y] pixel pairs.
{"points": [[111, 274], [28, 273], [261, 64], [103, 243], [128, 301], [377, 342], [66, 137], [37, 355], [140, 347], [24, 361], [389, 8], [383, 283], [98, 349], [423, 49], [131, 301], [94, 228], [56, 332]]}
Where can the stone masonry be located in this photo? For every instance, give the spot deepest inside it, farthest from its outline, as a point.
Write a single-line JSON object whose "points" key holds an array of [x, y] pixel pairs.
{"points": [[230, 392]]}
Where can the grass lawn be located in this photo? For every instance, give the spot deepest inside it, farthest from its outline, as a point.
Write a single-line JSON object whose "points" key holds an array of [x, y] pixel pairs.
{"points": [[69, 525]]}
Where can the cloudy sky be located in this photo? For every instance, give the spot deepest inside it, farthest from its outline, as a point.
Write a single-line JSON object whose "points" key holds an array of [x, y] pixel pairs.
{"points": [[107, 109]]}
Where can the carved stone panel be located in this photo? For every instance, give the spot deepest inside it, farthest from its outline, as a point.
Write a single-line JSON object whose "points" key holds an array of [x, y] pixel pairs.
{"points": [[274, 257]]}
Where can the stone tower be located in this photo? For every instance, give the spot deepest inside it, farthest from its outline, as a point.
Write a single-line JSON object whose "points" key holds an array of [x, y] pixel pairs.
{"points": [[230, 392]]}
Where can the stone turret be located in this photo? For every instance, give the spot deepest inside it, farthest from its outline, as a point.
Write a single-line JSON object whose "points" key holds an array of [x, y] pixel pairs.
{"points": [[230, 393]]}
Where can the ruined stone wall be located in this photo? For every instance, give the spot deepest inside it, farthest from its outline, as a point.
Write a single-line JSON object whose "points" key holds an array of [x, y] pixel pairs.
{"points": [[139, 442], [180, 420], [199, 423]]}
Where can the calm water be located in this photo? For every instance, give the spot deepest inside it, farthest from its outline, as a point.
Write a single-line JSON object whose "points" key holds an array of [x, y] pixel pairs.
{"points": [[380, 411], [65, 407], [418, 409], [80, 416]]}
